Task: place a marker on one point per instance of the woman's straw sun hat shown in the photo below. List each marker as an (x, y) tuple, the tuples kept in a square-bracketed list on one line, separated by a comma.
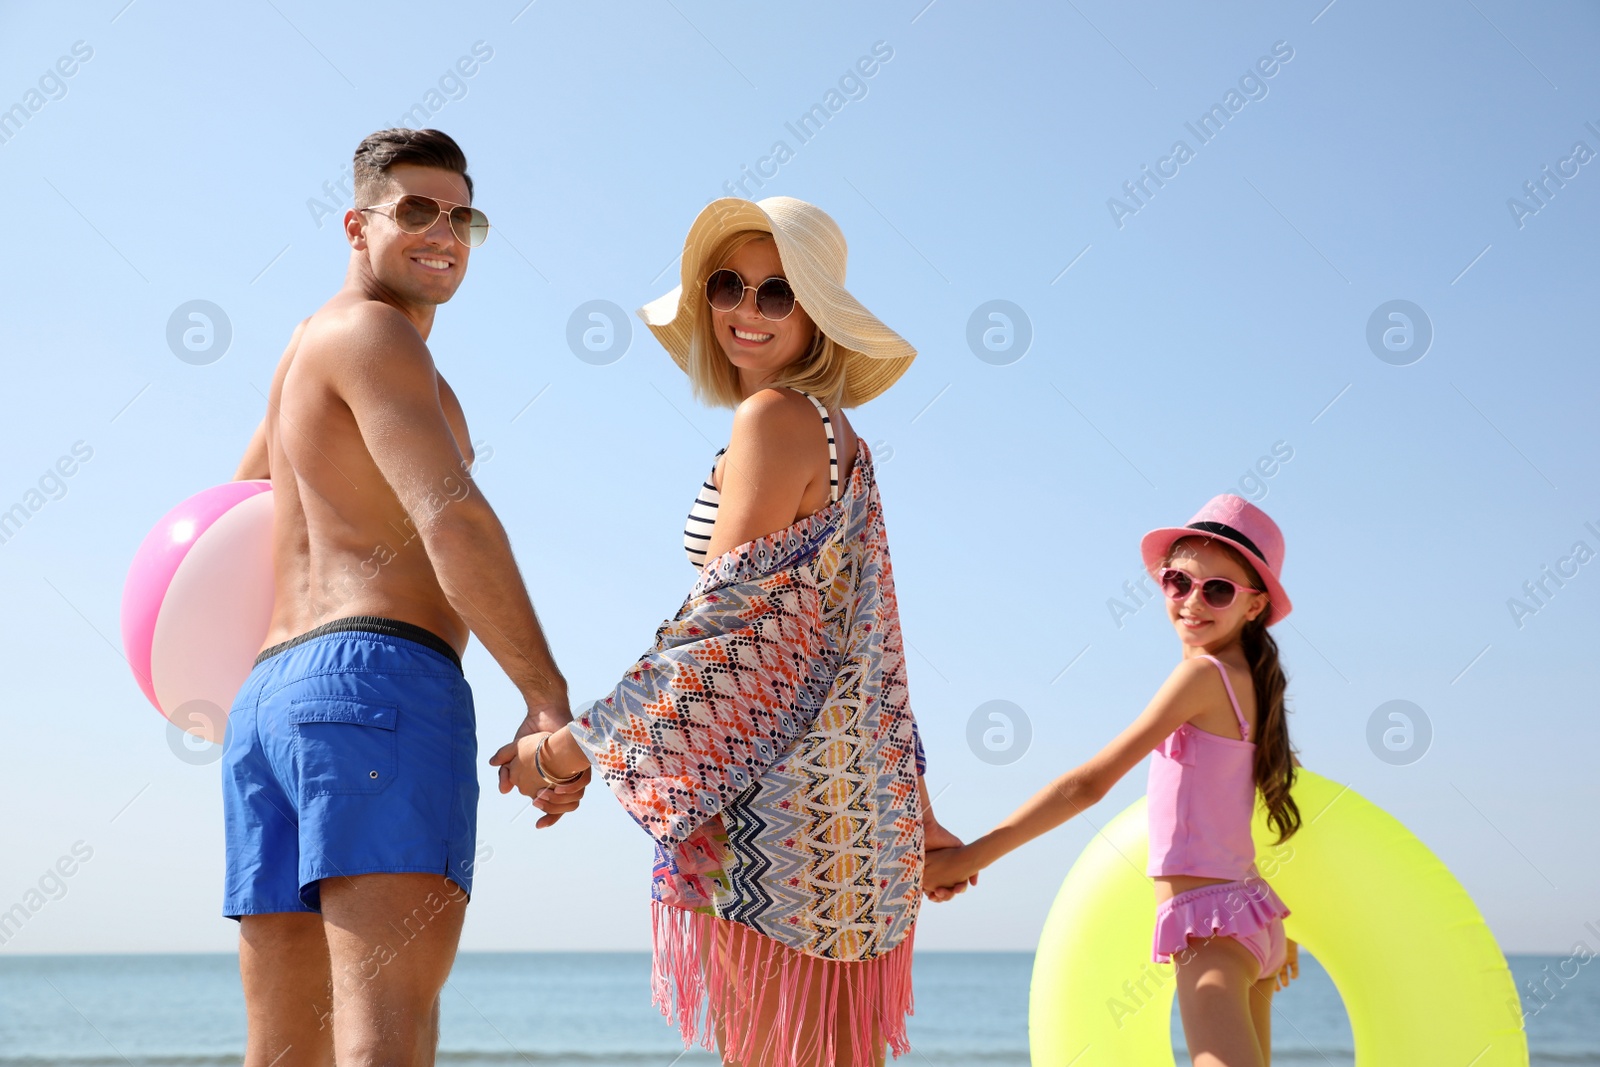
[(812, 250)]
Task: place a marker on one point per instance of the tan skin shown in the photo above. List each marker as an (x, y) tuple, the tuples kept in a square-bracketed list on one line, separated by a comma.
[(774, 473), (375, 514), (1226, 1009)]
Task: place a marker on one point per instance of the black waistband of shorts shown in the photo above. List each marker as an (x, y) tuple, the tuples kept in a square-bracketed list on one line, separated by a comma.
[(371, 624)]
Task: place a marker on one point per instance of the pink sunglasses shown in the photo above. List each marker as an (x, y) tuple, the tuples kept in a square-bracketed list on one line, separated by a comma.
[(1216, 592)]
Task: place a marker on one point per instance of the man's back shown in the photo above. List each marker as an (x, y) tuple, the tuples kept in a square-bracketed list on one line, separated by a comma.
[(350, 776), (343, 543)]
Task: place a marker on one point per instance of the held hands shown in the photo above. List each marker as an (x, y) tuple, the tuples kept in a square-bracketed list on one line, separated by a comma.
[(938, 882), (520, 769), (948, 869)]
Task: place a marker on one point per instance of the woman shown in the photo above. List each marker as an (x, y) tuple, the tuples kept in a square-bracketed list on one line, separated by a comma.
[(765, 740)]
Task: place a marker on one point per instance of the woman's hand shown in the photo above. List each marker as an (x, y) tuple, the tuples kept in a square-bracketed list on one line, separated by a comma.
[(517, 771), (936, 838), (515, 761), (949, 868)]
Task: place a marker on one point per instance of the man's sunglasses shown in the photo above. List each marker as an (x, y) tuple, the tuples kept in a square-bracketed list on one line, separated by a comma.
[(774, 297), (1216, 592), (417, 214)]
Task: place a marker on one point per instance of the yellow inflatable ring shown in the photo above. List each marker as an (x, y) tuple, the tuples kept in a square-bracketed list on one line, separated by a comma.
[(1422, 978)]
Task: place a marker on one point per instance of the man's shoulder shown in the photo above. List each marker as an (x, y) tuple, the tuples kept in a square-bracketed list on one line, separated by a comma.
[(352, 318), (345, 331)]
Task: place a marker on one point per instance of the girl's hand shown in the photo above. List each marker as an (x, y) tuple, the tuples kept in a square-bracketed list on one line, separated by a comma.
[(949, 870), (935, 838), (1291, 966)]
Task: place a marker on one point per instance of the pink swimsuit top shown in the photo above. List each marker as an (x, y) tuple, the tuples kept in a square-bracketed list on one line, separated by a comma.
[(1202, 796)]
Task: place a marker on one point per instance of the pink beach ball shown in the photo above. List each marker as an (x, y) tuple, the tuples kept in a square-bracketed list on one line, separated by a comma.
[(197, 604)]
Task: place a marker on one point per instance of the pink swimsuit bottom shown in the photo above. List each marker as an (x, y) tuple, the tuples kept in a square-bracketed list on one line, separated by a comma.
[(1248, 911)]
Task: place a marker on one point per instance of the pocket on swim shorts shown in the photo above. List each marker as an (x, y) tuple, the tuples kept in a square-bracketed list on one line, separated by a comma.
[(343, 746)]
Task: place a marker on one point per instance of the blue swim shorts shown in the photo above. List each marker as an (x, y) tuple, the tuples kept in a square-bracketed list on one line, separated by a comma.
[(351, 749)]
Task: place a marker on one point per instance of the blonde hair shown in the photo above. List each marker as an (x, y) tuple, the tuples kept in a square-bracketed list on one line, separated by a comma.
[(820, 371)]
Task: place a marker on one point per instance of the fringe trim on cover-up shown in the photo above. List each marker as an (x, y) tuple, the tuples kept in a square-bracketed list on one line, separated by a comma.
[(719, 980)]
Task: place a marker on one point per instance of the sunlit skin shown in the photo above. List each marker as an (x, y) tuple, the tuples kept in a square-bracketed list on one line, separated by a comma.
[(1194, 693), (368, 449), (773, 447), (1226, 1009), (774, 472), (400, 268), (776, 344), (1218, 972), (1204, 630)]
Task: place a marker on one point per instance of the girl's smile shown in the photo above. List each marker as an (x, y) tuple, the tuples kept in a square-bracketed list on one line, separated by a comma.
[(1200, 625)]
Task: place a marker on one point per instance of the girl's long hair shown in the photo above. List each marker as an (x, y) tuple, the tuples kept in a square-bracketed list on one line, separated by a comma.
[(1274, 759)]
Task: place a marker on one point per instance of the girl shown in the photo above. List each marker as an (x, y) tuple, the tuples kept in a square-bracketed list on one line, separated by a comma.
[(1219, 734), (766, 741)]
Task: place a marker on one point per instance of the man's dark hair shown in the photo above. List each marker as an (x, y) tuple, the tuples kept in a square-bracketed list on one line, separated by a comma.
[(382, 150)]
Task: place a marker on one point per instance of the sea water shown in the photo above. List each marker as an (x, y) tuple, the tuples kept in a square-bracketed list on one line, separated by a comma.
[(593, 1010)]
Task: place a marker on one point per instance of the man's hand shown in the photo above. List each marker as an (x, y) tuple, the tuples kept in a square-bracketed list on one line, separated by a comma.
[(544, 717)]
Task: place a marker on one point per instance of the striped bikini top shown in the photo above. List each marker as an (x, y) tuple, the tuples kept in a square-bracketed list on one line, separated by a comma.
[(697, 532)]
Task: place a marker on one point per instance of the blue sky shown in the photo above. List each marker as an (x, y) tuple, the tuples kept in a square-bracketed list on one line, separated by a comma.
[(1217, 322)]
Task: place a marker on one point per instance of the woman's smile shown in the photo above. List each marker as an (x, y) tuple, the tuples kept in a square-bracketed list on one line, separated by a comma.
[(749, 338), (758, 346)]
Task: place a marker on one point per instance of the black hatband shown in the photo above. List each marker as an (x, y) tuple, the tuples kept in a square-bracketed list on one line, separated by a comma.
[(1222, 529)]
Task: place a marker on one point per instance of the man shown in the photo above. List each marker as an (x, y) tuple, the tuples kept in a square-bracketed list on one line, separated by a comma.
[(349, 772)]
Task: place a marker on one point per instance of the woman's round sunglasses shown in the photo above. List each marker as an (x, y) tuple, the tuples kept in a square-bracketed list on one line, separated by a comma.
[(1216, 592), (725, 290), (417, 214)]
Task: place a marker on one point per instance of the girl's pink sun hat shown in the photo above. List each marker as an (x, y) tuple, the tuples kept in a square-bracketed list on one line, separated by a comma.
[(1234, 521)]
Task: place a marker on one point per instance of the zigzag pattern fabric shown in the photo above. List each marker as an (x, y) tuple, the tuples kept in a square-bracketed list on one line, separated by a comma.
[(767, 744)]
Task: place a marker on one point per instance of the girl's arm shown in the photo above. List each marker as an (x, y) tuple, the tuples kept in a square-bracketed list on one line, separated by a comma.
[(1180, 699)]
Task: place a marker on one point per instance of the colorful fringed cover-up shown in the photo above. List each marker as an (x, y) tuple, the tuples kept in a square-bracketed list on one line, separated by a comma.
[(767, 745)]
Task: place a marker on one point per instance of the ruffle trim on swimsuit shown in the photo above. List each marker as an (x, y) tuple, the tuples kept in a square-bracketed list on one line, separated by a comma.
[(718, 980), (1233, 909)]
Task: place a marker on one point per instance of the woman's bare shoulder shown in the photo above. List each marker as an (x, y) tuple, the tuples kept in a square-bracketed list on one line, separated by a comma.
[(777, 417)]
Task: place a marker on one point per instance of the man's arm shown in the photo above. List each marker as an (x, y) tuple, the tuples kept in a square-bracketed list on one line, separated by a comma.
[(386, 376), (254, 463)]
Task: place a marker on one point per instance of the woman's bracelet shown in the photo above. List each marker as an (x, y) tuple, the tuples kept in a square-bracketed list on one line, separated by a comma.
[(538, 765)]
